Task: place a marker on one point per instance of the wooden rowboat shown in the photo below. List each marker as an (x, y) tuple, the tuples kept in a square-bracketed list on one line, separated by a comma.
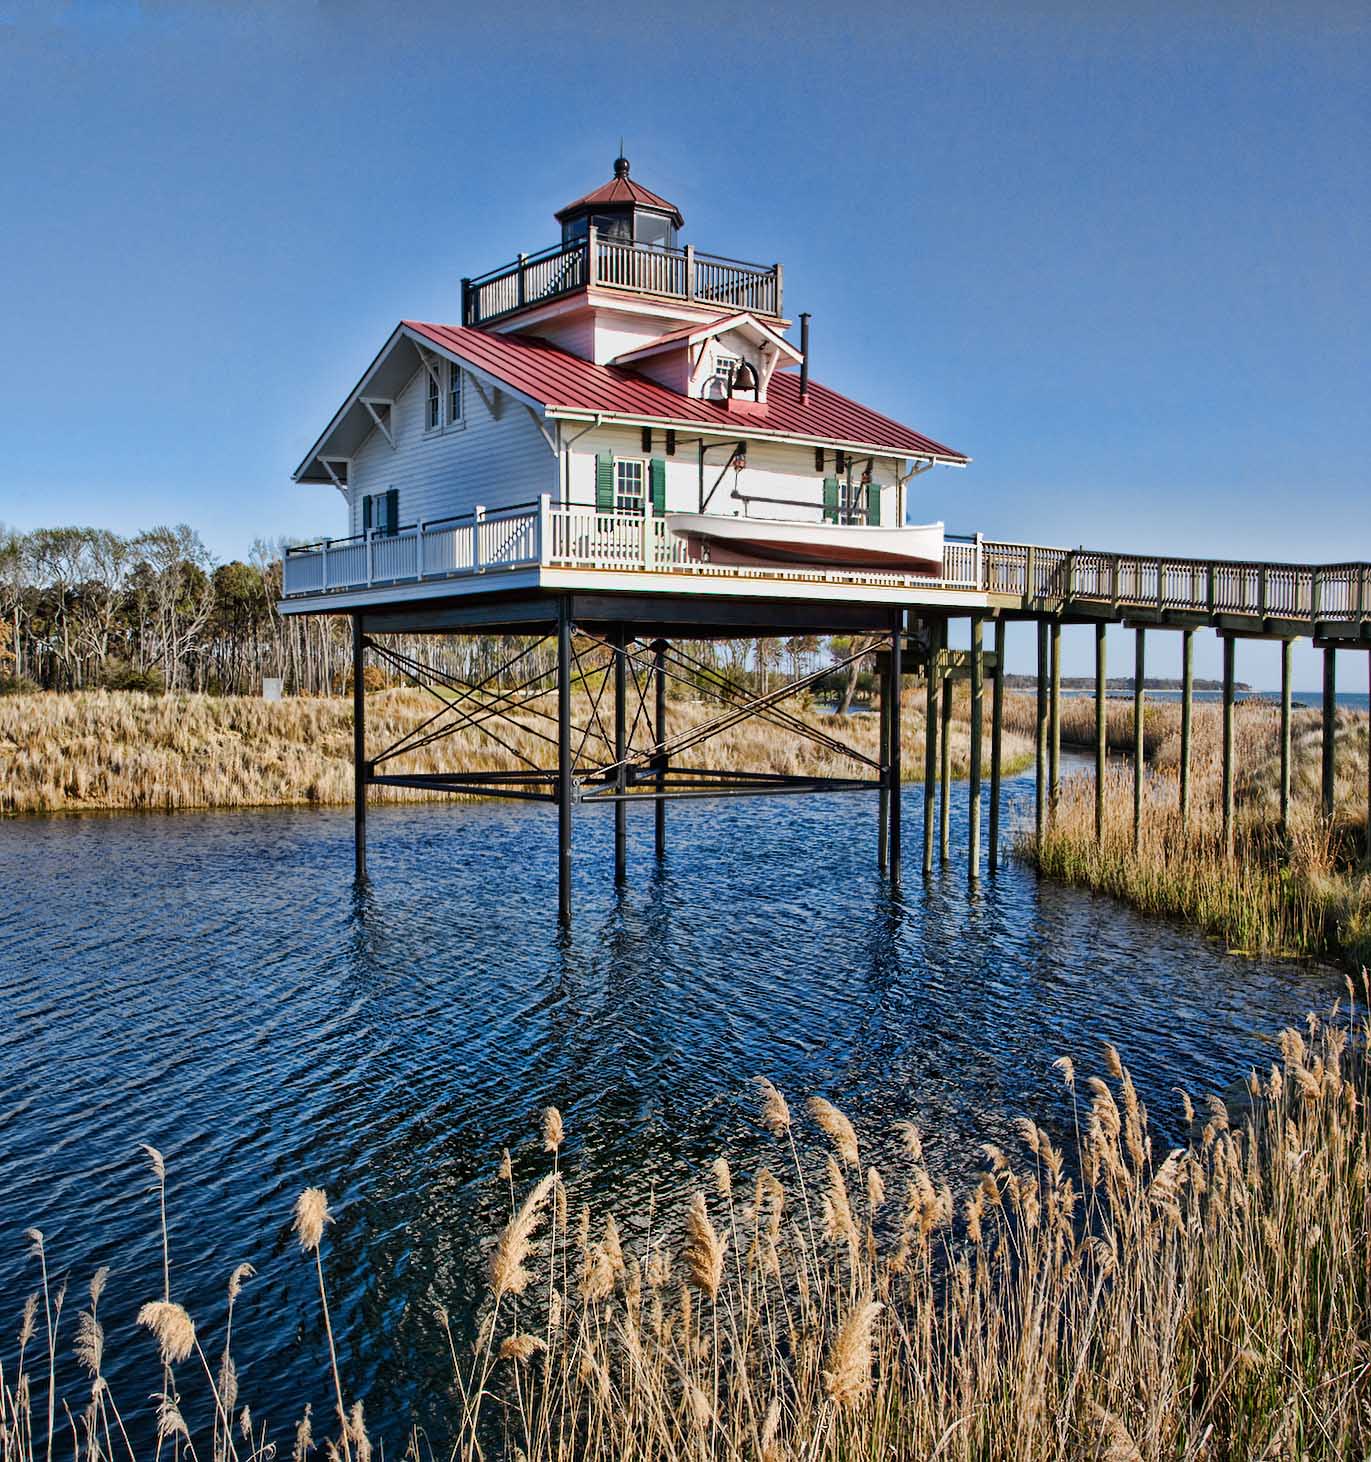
[(911, 550)]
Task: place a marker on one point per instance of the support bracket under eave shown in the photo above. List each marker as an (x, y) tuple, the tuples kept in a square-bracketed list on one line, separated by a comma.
[(327, 464), (382, 422)]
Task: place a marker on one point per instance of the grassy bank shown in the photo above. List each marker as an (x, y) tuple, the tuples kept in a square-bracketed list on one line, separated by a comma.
[(1306, 894), (124, 750), (1120, 1301)]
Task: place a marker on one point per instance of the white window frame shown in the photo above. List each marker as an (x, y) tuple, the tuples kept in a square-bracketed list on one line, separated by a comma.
[(726, 367), (456, 386), (623, 503), (433, 399)]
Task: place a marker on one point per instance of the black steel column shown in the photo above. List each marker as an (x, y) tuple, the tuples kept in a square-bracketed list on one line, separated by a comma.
[(659, 668), (620, 751), (1040, 805), (935, 634), (1101, 728), (996, 737), (883, 756), (1139, 726), (564, 762), (944, 767), (896, 670), (359, 751), (1054, 763), (977, 719), (1229, 651), (1187, 708), (1330, 728)]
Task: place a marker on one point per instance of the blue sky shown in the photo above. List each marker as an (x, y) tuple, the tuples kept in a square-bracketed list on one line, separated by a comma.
[(1118, 255)]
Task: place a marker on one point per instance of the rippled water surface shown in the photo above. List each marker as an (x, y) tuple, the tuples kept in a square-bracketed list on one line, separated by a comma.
[(210, 984)]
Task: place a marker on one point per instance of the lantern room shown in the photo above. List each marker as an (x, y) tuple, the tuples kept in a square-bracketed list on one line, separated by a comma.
[(623, 211)]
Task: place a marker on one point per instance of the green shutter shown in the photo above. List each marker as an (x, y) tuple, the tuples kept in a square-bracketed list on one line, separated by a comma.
[(604, 482), (393, 511), (366, 514), (658, 478), (830, 499), (873, 505)]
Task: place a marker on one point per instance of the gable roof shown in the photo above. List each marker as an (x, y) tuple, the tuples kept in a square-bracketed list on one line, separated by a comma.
[(693, 334), (563, 385)]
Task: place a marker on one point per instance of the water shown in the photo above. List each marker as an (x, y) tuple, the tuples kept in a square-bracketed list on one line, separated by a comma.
[(209, 984)]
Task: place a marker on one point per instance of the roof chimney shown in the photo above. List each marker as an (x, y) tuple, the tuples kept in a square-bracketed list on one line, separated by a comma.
[(804, 357)]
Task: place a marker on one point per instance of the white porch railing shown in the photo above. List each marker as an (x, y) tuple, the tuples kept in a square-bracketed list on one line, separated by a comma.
[(564, 536)]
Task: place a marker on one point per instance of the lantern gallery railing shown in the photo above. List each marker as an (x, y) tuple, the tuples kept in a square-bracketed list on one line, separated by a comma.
[(1009, 575), (621, 264)]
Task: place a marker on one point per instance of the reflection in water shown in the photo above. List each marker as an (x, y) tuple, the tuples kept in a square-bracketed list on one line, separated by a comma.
[(210, 984)]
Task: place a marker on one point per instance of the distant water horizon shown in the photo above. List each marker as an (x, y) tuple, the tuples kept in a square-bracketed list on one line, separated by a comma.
[(1349, 700)]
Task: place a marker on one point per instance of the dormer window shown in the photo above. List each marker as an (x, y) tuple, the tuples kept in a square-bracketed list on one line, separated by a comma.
[(725, 368)]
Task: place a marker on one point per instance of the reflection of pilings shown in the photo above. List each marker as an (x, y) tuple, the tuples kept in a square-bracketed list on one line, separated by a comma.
[(1287, 665), (564, 761), (1330, 727), (1101, 729), (996, 739), (1229, 650), (620, 751), (974, 790), (896, 671), (659, 670), (1187, 710), (359, 752), (935, 633), (1139, 674), (1054, 776), (1040, 803)]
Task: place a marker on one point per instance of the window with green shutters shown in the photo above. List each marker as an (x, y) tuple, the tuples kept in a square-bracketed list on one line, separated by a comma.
[(604, 482), (830, 499), (381, 511), (658, 473)]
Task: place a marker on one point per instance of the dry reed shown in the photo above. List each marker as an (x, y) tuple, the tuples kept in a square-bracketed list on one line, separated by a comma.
[(1210, 1300)]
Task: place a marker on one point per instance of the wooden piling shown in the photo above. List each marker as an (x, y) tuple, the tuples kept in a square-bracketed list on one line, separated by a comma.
[(896, 673), (935, 635), (1054, 779), (1229, 652), (620, 752), (564, 762), (996, 748), (1287, 667), (359, 752), (1187, 710), (1101, 729), (1040, 790), (973, 855), (659, 674), (1139, 675), (1330, 730)]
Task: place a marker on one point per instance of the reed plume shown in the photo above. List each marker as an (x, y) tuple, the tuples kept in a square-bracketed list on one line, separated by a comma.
[(704, 1249), (837, 1129)]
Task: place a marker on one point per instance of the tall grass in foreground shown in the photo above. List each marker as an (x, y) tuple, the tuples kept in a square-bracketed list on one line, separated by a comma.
[(1210, 1301), (127, 750), (1305, 893)]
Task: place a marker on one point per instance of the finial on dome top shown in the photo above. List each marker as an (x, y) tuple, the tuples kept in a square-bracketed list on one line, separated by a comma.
[(621, 162)]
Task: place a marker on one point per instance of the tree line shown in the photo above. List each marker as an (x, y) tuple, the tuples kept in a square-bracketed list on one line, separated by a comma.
[(87, 608)]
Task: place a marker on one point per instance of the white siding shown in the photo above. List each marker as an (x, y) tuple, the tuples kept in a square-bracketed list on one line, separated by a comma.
[(496, 458), (773, 470)]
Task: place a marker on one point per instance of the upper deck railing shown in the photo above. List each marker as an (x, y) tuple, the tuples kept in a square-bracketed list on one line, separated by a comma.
[(620, 264), (1025, 576)]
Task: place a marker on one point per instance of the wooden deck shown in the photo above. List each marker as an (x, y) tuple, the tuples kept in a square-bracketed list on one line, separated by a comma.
[(1328, 602)]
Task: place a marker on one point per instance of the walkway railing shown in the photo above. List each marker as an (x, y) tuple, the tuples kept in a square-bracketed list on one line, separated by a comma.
[(1313, 592), (570, 535), (621, 264)]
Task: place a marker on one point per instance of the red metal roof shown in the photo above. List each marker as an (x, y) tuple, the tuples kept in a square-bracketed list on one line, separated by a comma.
[(562, 381), (621, 189)]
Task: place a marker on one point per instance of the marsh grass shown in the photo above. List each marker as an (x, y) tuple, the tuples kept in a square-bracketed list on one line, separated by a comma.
[(1308, 893), (93, 750), (1113, 1298)]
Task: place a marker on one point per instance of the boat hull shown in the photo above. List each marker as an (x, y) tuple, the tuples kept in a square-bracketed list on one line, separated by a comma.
[(761, 541)]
